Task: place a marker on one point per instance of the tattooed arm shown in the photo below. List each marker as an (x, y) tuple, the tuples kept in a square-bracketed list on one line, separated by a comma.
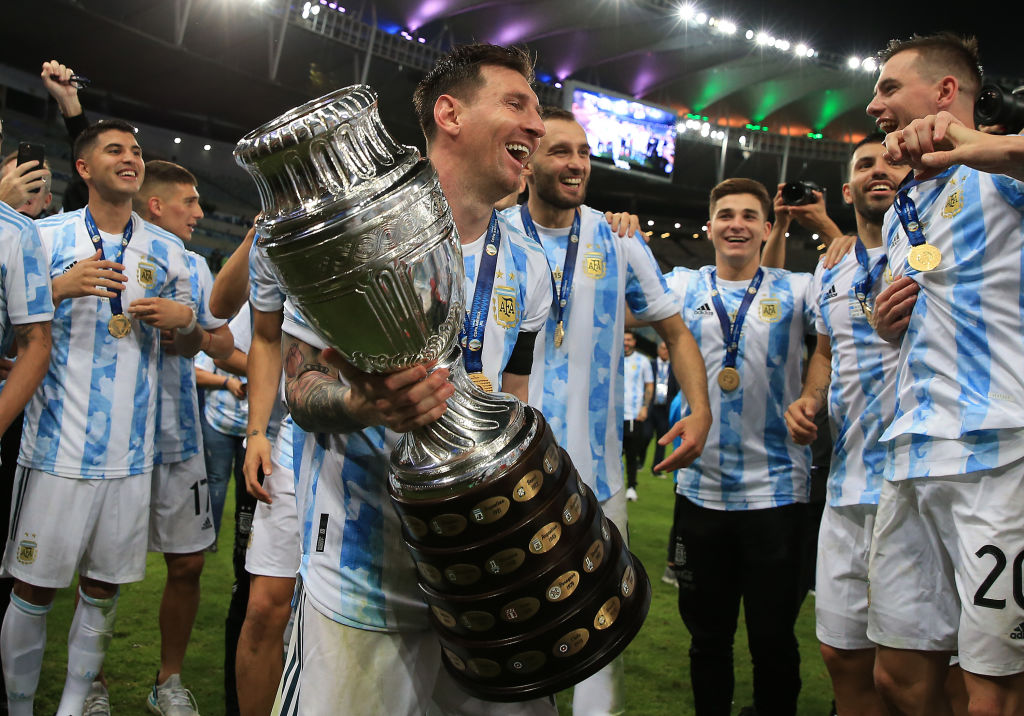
[(800, 414), (33, 340), (320, 402)]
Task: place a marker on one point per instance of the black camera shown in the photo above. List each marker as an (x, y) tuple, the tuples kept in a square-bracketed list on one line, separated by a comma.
[(997, 106), (796, 193)]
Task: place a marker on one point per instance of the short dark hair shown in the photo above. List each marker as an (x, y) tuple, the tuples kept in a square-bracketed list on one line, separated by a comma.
[(870, 138), (944, 53), (741, 186), (458, 74), (87, 139), (551, 112), (160, 172)]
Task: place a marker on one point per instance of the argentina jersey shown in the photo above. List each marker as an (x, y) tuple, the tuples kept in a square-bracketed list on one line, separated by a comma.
[(579, 385), (25, 295), (95, 413), (178, 430), (355, 569), (959, 388), (862, 392), (636, 372), (520, 297), (224, 412), (265, 292), (749, 460)]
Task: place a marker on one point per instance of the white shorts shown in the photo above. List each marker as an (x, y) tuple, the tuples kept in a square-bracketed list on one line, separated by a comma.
[(614, 509), (841, 581), (275, 545), (62, 525), (373, 672), (947, 568), (180, 520)]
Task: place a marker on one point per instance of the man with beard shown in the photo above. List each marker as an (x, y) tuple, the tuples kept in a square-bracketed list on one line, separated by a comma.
[(577, 379), (948, 548), (852, 370)]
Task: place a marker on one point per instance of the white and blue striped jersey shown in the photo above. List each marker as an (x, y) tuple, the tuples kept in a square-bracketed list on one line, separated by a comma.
[(862, 393), (516, 305), (579, 386), (355, 567), (25, 295), (749, 461), (95, 414), (959, 388), (224, 412), (179, 433), (265, 293), (636, 373)]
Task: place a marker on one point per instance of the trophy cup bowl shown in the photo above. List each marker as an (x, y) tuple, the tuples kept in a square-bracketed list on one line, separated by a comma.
[(530, 587)]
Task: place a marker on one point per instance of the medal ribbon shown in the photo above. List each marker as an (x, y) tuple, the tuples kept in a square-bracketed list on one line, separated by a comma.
[(731, 330), (569, 267), (472, 338), (862, 289), (906, 209), (97, 242)]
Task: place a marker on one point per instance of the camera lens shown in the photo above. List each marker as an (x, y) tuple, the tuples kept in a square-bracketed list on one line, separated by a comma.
[(796, 193), (995, 106)]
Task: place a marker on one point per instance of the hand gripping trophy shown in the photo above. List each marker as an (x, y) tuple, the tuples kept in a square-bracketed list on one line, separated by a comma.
[(530, 586)]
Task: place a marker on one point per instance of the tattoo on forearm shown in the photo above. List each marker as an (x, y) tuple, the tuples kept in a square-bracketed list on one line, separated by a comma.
[(822, 391), (316, 397)]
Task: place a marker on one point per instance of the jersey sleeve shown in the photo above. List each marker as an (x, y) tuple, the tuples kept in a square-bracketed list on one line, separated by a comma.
[(815, 298), (27, 290), (803, 289), (178, 286), (647, 294), (265, 292), (204, 286), (295, 325), (648, 374)]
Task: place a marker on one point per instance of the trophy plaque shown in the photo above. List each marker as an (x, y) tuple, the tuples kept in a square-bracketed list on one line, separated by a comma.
[(530, 587)]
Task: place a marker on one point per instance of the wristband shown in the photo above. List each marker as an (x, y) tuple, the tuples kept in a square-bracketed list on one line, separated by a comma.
[(191, 324)]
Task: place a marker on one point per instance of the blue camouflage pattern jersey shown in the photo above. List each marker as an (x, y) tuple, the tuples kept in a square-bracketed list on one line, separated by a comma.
[(959, 385), (749, 461), (636, 373), (25, 295), (94, 415), (579, 386), (862, 392)]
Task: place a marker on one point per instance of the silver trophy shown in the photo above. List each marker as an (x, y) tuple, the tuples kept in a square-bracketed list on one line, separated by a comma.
[(530, 587)]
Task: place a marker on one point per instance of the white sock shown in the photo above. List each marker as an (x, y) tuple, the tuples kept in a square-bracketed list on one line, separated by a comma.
[(90, 635), (22, 642)]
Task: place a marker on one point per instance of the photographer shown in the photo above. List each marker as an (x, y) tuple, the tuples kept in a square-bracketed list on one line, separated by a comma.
[(810, 214)]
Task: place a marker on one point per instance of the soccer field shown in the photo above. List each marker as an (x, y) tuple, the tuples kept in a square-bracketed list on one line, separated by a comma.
[(657, 666)]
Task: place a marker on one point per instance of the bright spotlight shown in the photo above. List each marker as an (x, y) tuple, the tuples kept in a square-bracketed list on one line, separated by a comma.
[(315, 10), (869, 64), (650, 222), (801, 49), (177, 140), (207, 147), (763, 38), (702, 17), (782, 45), (727, 28), (853, 63), (687, 11), (811, 52), (678, 225), (749, 34)]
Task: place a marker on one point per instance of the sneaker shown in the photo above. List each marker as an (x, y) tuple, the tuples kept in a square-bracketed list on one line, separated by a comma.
[(669, 577), (97, 701), (631, 494), (172, 699)]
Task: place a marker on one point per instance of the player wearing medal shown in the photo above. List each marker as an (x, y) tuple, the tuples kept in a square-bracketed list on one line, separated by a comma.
[(737, 514), (362, 631), (578, 372), (853, 371), (949, 521), (82, 493)]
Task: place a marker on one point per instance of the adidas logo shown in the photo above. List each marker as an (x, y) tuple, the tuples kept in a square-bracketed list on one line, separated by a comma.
[(831, 292), (207, 524), (1018, 633), (704, 310)]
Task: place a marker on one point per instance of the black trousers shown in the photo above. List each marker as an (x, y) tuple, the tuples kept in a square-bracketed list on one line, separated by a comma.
[(634, 446), (721, 559), (245, 506), (10, 444), (659, 422)]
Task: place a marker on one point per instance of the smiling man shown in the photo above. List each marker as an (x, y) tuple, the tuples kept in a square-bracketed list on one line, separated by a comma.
[(737, 515)]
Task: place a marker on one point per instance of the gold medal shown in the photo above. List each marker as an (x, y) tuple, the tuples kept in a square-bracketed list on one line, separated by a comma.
[(559, 335), (480, 381), (119, 326), (924, 257), (869, 313), (729, 379)]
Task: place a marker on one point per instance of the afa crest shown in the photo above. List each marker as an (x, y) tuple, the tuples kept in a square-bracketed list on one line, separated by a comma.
[(768, 310), (954, 204), (593, 264), (146, 274), (506, 306), (27, 551)]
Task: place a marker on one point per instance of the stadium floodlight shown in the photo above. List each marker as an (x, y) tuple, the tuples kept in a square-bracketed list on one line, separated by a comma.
[(749, 35), (687, 11), (727, 27), (207, 147), (853, 63), (177, 140), (763, 38)]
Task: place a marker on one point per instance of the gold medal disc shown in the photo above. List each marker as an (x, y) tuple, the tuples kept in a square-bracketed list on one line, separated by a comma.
[(481, 382), (869, 313), (559, 335), (729, 379), (119, 326), (924, 257)]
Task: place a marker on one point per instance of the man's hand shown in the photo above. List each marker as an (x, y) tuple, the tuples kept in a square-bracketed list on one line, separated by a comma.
[(402, 401), (236, 387), (5, 368), (623, 223), (21, 181), (812, 217), (800, 420), (57, 81), (641, 415), (90, 277), (257, 455), (840, 246), (692, 432), (893, 308), (938, 141), (162, 313)]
